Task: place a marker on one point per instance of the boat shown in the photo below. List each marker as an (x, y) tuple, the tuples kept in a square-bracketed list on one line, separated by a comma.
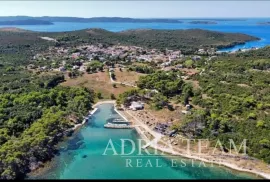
[(118, 126), (118, 120)]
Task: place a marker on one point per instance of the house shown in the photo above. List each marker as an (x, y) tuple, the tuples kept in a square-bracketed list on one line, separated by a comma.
[(186, 112), (166, 64), (62, 69), (75, 67), (83, 68), (179, 66), (136, 106), (188, 107), (172, 133), (196, 58), (31, 66), (43, 68)]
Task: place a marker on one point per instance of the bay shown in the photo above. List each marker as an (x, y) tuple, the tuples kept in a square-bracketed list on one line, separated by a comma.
[(82, 157)]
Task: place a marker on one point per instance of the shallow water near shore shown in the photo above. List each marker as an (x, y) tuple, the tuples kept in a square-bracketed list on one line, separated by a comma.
[(82, 157)]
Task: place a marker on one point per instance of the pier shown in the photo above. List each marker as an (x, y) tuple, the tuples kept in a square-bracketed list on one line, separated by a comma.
[(118, 126), (120, 121)]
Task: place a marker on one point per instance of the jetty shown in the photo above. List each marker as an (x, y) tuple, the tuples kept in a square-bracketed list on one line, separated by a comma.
[(118, 126), (93, 111), (118, 120)]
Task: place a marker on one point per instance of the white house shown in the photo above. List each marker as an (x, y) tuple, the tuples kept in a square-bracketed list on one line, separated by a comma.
[(136, 106), (196, 58), (75, 67)]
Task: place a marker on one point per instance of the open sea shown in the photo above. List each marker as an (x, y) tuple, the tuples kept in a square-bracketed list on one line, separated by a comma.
[(82, 157), (246, 26)]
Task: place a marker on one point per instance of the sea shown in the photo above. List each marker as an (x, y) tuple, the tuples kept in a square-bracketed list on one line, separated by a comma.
[(247, 26), (88, 154)]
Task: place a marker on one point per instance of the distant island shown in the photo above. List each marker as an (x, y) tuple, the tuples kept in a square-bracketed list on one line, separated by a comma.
[(26, 22), (215, 19), (49, 19), (203, 22), (263, 23)]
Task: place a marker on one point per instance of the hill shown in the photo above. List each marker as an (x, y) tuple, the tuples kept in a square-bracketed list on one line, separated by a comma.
[(20, 45), (26, 22), (188, 41)]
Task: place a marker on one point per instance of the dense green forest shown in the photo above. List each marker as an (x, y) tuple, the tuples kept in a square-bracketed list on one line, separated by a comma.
[(19, 46), (35, 113), (235, 96), (188, 41)]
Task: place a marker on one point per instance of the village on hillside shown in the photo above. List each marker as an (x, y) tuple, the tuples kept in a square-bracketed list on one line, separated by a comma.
[(85, 66), (78, 58)]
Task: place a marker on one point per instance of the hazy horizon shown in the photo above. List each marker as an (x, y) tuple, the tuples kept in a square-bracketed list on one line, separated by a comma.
[(138, 9), (142, 17)]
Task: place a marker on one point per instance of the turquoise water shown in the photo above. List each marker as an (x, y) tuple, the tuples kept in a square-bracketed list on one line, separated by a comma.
[(82, 157), (248, 26)]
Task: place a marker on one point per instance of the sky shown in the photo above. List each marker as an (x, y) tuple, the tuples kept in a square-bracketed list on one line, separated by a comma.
[(137, 9)]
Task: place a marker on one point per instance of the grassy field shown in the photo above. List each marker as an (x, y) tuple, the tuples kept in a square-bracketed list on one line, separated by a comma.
[(127, 76), (100, 82), (165, 115)]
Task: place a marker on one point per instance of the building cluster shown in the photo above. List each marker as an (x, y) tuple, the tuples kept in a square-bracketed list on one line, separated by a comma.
[(87, 53), (126, 53)]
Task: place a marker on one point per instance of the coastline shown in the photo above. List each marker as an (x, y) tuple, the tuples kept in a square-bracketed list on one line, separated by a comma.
[(84, 121), (191, 156), (160, 148)]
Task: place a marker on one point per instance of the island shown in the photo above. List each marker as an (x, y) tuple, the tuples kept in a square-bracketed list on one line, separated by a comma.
[(216, 19), (263, 23), (47, 19), (26, 22), (203, 22)]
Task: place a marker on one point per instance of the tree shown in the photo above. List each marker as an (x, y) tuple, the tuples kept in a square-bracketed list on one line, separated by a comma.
[(113, 97), (113, 76), (99, 95), (70, 74), (159, 101)]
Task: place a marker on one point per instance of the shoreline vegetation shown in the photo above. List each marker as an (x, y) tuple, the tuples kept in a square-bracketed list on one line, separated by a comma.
[(175, 152)]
